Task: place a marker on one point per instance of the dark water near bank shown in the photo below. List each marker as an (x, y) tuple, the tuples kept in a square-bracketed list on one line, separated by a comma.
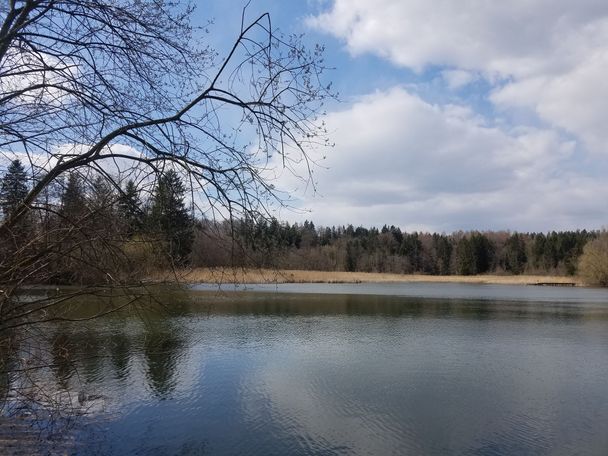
[(438, 369)]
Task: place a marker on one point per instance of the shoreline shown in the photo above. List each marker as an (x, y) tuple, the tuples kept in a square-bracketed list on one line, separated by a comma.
[(273, 276)]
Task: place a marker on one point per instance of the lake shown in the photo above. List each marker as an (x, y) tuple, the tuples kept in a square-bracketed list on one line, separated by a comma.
[(368, 369)]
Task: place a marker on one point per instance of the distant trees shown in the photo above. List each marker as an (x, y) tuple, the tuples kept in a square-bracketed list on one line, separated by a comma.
[(411, 248), (90, 222), (558, 250), (270, 243), (353, 248), (130, 229), (465, 261), (442, 248), (514, 255), (475, 254)]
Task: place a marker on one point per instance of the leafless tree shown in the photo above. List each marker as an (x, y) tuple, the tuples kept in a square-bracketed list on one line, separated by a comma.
[(118, 88)]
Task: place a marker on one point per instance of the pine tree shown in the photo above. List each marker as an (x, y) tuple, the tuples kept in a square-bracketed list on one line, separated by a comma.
[(13, 187), (170, 217)]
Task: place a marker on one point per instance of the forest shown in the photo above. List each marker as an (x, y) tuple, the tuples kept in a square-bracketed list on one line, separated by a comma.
[(134, 231), (270, 243)]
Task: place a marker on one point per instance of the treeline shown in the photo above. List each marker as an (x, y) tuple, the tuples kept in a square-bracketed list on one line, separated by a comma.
[(271, 243), (88, 228)]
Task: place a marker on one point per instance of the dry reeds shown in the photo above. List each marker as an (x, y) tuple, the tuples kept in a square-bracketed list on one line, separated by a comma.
[(243, 275)]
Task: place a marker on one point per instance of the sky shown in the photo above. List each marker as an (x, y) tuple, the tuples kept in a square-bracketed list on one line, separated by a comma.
[(452, 115)]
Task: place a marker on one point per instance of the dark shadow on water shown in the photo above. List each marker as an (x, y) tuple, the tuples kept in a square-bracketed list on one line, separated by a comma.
[(289, 304)]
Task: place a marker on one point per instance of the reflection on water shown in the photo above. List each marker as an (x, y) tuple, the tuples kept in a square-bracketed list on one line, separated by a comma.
[(120, 352), (287, 373), (161, 350), (463, 291)]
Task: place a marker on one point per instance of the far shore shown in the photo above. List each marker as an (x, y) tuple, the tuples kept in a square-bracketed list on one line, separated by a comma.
[(239, 275)]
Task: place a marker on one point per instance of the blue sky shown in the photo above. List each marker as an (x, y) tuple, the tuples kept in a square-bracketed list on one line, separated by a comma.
[(453, 115)]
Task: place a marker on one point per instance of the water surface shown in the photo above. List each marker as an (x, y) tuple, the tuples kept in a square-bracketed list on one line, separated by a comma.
[(438, 369)]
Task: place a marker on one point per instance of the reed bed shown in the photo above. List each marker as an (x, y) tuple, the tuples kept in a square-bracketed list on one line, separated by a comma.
[(242, 275)]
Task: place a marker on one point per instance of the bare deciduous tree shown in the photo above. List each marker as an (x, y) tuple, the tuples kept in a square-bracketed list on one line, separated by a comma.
[(123, 85), (123, 89)]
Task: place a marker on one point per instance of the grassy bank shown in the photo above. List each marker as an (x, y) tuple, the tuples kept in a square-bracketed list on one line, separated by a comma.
[(237, 275)]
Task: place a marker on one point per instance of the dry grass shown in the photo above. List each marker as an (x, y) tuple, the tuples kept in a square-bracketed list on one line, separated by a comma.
[(237, 275)]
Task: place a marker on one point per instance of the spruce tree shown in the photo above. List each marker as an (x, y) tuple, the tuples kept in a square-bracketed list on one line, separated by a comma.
[(465, 258), (514, 254), (73, 203), (13, 187), (102, 196), (443, 253), (483, 251), (170, 217), (100, 200), (129, 209)]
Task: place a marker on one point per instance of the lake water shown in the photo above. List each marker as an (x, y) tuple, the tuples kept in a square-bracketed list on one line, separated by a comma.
[(370, 369)]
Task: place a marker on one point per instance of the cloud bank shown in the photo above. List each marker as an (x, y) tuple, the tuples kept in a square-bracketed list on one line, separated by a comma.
[(535, 161)]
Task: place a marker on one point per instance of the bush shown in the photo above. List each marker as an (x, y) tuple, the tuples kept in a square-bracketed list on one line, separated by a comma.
[(142, 256), (593, 263)]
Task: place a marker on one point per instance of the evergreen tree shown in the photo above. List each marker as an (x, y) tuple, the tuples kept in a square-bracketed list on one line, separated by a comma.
[(514, 254), (170, 217), (73, 203), (538, 250), (352, 254), (443, 253), (483, 252), (326, 236), (101, 202), (13, 187), (13, 190), (129, 208), (411, 247), (465, 258), (102, 196)]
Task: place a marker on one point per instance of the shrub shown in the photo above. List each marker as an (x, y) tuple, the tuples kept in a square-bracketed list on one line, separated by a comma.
[(593, 263)]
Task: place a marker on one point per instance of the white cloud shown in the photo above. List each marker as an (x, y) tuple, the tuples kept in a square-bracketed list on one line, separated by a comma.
[(546, 56), (455, 79), (515, 38), (121, 168), (36, 78), (574, 101), (400, 160), (537, 162)]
